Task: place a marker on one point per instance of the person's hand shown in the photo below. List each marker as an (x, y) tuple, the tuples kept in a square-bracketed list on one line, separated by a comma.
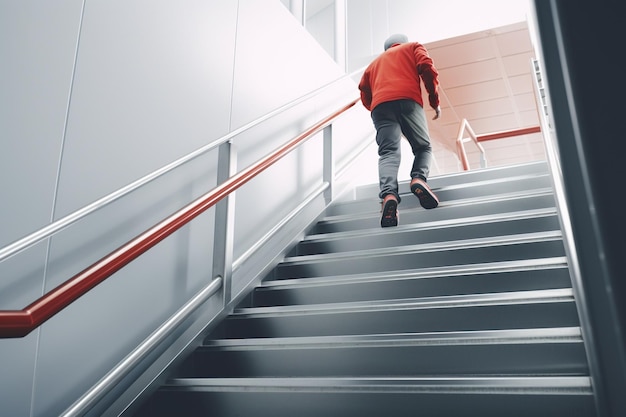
[(437, 113)]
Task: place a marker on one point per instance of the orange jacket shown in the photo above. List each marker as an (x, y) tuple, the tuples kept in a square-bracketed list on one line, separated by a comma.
[(396, 73)]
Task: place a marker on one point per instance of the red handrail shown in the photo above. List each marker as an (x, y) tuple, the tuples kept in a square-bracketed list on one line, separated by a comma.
[(460, 148), (19, 323), (508, 133)]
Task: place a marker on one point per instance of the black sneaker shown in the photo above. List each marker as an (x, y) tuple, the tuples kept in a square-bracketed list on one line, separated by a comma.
[(389, 216), (427, 198)]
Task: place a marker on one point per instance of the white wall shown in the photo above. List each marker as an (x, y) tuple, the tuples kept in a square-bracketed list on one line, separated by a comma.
[(97, 94)]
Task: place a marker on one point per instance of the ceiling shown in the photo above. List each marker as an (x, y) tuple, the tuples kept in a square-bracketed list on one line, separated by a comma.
[(486, 77)]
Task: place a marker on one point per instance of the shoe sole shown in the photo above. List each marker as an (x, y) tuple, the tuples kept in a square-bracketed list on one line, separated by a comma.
[(427, 198), (390, 214)]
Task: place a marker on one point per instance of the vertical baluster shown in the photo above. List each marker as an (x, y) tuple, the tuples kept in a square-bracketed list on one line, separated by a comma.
[(225, 221), (329, 163)]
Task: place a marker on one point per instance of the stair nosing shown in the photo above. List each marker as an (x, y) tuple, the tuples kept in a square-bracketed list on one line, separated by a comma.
[(420, 273), (436, 224), (529, 385), (441, 338), (540, 192), (497, 180), (542, 164), (448, 301), (519, 238)]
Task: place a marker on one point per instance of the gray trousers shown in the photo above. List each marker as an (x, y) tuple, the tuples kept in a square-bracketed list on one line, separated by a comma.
[(393, 120)]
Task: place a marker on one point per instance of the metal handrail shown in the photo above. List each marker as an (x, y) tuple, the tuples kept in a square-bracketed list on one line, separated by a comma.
[(485, 137), (461, 147), (58, 225), (19, 323), (508, 133), (140, 352)]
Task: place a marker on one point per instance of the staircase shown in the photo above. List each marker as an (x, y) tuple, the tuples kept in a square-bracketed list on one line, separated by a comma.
[(465, 310)]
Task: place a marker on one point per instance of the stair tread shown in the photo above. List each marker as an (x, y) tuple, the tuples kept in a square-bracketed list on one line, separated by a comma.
[(482, 242), (431, 272), (538, 335), (448, 301), (468, 178), (435, 224), (482, 200)]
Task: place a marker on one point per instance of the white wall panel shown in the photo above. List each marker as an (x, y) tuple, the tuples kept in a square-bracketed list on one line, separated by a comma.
[(360, 34), (37, 46), (152, 84), (277, 61), (322, 26), (20, 284)]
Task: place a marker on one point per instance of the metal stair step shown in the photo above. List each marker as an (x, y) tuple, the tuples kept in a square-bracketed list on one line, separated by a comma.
[(471, 251), (515, 310), (451, 190), (510, 172), (485, 188), (557, 351), (424, 282), (365, 214), (427, 232), (374, 397)]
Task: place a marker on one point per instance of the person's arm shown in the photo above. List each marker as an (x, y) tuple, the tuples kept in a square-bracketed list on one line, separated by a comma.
[(366, 92), (427, 71)]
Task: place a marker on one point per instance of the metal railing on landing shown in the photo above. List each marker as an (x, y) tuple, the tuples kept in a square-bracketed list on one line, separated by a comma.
[(476, 139), (19, 323)]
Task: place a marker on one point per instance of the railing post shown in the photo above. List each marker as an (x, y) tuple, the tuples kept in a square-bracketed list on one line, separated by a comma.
[(225, 221), (329, 163), (460, 149)]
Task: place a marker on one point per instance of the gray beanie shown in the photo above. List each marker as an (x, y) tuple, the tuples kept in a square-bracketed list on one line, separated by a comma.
[(396, 38)]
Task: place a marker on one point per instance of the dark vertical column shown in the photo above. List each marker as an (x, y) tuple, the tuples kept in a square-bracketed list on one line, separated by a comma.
[(582, 45)]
